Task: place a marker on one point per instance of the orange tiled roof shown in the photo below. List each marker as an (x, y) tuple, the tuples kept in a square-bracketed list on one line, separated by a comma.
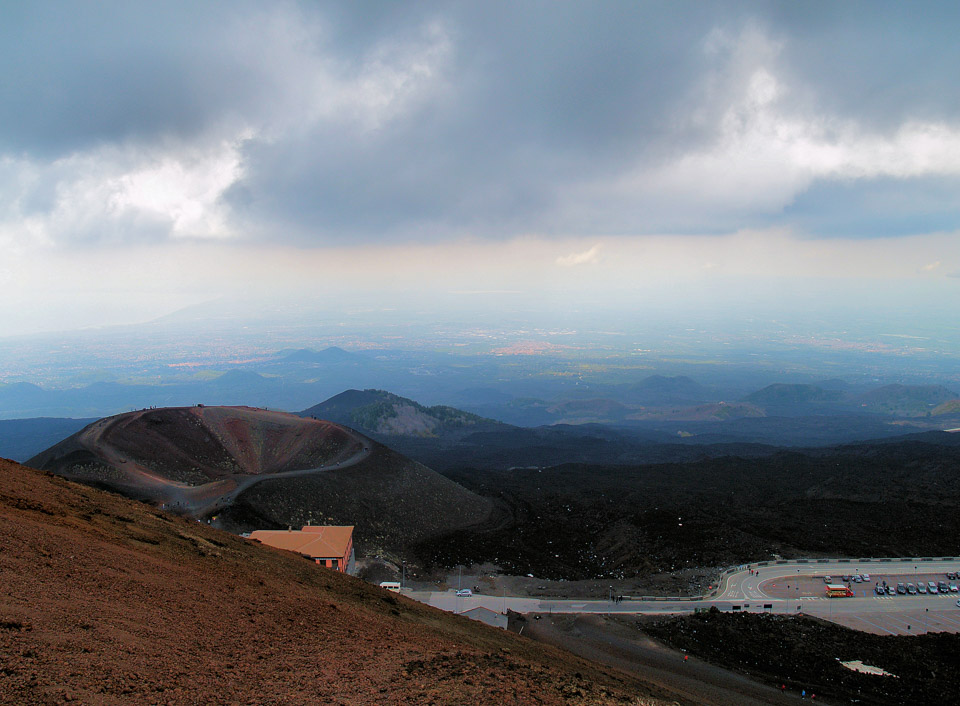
[(313, 541)]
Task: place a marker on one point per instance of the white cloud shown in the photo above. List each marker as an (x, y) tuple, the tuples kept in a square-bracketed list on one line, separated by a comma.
[(764, 157), (587, 257), (160, 187), (766, 150), (122, 194), (184, 192)]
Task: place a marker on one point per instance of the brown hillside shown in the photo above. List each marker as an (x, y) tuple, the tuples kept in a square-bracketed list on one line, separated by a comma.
[(257, 469), (106, 600)]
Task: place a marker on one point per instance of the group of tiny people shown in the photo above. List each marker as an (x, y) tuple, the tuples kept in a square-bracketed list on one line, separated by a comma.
[(803, 692)]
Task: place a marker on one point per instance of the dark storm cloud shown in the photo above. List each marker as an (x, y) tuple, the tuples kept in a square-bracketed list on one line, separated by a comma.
[(371, 120), (534, 97)]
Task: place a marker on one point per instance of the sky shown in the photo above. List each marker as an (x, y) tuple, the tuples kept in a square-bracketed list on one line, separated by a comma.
[(653, 156)]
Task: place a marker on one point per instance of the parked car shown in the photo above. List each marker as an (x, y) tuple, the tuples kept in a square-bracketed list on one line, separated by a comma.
[(857, 578), (951, 575), (891, 591), (921, 588), (901, 588), (878, 590), (464, 592), (943, 587), (865, 577), (845, 579), (828, 579), (931, 587), (958, 603), (911, 589), (954, 588)]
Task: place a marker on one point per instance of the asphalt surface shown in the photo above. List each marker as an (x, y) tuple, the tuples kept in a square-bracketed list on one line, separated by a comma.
[(780, 587)]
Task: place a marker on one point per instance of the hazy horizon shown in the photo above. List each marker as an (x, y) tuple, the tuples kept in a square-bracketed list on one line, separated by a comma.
[(680, 164)]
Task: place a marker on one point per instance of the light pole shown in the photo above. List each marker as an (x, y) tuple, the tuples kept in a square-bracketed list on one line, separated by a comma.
[(459, 580)]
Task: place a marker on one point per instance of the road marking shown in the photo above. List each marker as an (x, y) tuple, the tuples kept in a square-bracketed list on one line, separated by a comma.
[(895, 618), (949, 619), (870, 622)]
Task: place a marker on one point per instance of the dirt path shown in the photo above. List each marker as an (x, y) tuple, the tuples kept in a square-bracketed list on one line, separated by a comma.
[(619, 645)]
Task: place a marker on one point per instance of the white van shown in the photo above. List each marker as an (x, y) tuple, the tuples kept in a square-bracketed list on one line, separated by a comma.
[(391, 586)]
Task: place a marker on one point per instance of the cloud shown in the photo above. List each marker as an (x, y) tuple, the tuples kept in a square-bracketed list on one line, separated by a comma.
[(930, 267), (115, 195), (324, 124), (587, 257), (766, 151)]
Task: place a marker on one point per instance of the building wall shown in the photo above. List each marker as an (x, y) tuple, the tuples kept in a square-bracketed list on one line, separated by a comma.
[(340, 563)]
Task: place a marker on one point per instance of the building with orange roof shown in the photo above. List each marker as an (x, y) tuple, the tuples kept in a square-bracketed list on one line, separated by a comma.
[(330, 546)]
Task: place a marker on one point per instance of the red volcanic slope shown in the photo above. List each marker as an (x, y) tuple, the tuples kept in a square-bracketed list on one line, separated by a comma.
[(106, 600)]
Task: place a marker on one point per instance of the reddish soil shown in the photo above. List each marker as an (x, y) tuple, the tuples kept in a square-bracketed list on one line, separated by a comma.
[(109, 601)]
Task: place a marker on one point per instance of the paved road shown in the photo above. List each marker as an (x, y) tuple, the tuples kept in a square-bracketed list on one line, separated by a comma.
[(758, 588)]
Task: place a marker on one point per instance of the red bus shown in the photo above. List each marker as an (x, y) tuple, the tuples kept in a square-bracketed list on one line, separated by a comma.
[(838, 590)]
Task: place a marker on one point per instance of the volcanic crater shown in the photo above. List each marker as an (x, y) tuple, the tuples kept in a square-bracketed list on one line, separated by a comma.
[(246, 468)]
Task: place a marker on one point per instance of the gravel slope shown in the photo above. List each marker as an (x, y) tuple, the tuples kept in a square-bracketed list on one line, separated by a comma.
[(109, 601)]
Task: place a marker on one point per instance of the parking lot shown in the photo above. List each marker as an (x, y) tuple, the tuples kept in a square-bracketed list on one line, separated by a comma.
[(815, 586), (913, 622), (897, 614)]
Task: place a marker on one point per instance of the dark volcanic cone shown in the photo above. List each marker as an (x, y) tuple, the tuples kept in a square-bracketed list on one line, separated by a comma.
[(252, 468)]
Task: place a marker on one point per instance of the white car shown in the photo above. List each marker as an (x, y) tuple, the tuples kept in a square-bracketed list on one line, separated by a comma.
[(463, 592), (958, 603)]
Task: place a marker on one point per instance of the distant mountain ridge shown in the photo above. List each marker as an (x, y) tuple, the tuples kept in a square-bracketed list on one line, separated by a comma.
[(786, 394), (907, 400), (893, 400), (384, 413)]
